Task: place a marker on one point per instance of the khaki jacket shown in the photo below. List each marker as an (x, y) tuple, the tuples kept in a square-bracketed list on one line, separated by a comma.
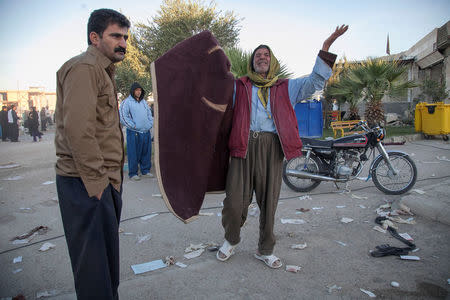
[(88, 139)]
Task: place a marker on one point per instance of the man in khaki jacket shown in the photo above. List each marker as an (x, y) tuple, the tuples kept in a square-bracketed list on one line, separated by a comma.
[(89, 146)]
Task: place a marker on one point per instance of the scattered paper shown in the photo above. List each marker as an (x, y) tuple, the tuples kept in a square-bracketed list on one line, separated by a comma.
[(156, 195), (17, 270), (14, 178), (148, 266), (317, 208), (181, 265), (143, 238), (195, 247), (206, 214), (121, 230), (333, 287), (362, 206), (47, 246), (306, 197), (403, 221), (148, 217), (292, 268), (359, 197), (44, 294), (219, 214), (395, 284), (17, 259), (346, 220), (20, 242), (442, 158), (27, 237), (48, 182), (341, 243), (406, 236), (387, 223), (379, 229), (340, 206), (128, 233), (194, 254), (299, 246), (9, 166), (369, 293), (293, 221), (415, 250), (418, 191), (254, 212), (409, 257)]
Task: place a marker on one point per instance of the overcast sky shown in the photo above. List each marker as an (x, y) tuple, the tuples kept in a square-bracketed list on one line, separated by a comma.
[(37, 37)]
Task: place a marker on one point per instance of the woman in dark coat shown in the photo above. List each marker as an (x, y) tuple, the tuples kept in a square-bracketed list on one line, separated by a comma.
[(33, 123)]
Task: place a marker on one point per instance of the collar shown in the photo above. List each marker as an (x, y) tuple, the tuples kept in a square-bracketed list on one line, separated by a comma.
[(103, 61)]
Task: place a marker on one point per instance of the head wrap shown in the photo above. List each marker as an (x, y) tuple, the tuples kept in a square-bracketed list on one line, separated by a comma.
[(263, 83)]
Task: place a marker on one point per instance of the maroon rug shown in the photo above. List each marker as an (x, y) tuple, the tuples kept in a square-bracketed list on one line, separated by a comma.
[(193, 88)]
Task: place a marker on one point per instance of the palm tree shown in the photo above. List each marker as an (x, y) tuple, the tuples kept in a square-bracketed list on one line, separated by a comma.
[(341, 89), (239, 59), (371, 81)]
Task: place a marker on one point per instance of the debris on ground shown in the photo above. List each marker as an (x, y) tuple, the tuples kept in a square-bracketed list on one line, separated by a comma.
[(194, 254), (317, 208), (121, 230), (45, 294), (26, 237), (148, 266), (181, 265), (219, 214), (341, 243), (206, 214), (156, 195), (17, 271), (303, 210), (148, 217), (406, 236), (306, 197), (9, 165), (143, 238), (442, 158), (369, 293), (379, 229), (169, 260), (359, 197), (253, 211), (415, 250), (362, 206), (389, 209), (340, 206), (395, 284), (292, 268), (402, 221), (386, 223), (299, 246), (409, 257), (194, 247), (47, 246), (17, 259), (293, 221), (14, 178), (333, 287), (346, 220), (213, 248), (48, 182), (25, 209), (418, 191)]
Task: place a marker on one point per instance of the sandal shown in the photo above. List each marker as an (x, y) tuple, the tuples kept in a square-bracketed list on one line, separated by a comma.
[(227, 250), (269, 260)]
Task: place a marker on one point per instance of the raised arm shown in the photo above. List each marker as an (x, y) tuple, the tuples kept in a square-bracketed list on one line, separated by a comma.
[(340, 30)]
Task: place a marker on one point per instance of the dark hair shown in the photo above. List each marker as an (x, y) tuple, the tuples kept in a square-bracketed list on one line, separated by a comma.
[(253, 55), (100, 19)]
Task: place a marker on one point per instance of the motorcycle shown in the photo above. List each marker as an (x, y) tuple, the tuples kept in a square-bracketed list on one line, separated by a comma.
[(343, 159)]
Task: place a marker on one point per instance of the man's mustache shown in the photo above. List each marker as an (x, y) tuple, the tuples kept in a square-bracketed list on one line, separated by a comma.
[(120, 49)]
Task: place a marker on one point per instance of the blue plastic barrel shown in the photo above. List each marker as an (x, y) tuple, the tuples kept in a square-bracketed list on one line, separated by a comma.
[(309, 119)]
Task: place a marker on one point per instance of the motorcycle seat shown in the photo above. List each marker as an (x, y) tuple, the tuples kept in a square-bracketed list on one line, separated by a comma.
[(317, 143)]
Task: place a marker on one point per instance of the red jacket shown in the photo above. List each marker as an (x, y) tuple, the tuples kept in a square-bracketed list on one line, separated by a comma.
[(282, 112)]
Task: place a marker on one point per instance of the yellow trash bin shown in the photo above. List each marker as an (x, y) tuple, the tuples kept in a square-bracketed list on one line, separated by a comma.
[(433, 118)]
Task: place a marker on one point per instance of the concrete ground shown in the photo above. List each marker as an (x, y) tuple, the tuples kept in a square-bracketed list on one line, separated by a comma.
[(337, 254)]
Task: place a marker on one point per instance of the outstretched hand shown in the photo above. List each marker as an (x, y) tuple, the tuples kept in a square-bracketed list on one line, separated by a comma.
[(340, 30)]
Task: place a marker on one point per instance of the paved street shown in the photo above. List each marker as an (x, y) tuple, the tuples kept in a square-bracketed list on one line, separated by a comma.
[(336, 253)]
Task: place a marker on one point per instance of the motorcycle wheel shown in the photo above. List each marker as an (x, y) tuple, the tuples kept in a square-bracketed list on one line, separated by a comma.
[(392, 184), (298, 163)]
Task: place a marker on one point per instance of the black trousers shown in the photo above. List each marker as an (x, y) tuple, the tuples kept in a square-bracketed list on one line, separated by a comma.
[(92, 234), (4, 131), (13, 132)]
